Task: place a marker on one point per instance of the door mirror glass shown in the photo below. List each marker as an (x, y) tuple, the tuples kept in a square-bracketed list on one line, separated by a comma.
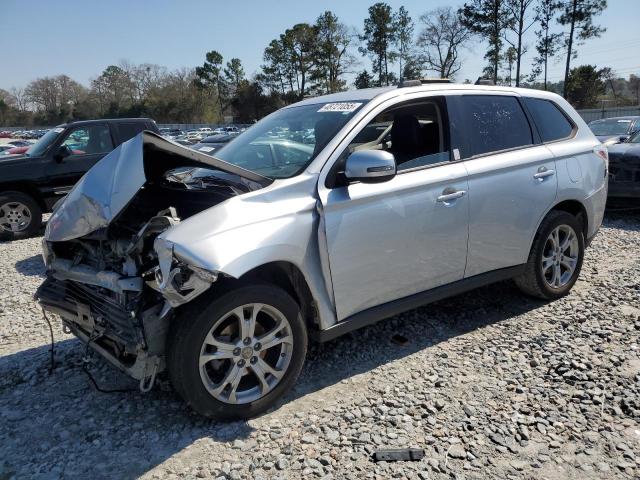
[(370, 166)]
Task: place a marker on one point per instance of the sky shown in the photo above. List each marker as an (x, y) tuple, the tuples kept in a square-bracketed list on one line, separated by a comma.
[(80, 38)]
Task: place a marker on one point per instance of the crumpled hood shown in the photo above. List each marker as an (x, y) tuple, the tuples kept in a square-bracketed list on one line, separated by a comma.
[(107, 188)]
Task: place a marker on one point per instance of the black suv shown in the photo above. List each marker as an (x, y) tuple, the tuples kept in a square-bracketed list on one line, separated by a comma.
[(32, 183)]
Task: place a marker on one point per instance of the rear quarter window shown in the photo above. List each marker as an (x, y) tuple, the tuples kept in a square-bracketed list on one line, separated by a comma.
[(551, 123), (493, 123)]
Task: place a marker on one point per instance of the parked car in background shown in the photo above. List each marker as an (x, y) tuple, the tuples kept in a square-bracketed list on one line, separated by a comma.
[(624, 168), (212, 143), (172, 133), (5, 147), (32, 183), (240, 258), (20, 143), (194, 135), (615, 130), (16, 150), (5, 134)]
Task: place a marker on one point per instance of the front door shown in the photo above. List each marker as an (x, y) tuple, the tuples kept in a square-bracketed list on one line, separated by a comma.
[(86, 145), (390, 240)]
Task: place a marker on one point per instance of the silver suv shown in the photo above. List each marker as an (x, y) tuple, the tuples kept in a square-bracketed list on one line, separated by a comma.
[(326, 216)]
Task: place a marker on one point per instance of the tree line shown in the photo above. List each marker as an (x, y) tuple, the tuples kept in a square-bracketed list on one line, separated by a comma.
[(320, 57)]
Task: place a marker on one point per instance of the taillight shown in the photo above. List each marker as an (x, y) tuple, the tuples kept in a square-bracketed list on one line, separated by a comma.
[(603, 153)]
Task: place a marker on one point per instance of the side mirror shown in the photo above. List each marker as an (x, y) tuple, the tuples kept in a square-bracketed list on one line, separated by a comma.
[(370, 166), (62, 153)]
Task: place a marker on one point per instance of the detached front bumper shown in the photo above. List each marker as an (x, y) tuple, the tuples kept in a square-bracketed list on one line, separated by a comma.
[(133, 342)]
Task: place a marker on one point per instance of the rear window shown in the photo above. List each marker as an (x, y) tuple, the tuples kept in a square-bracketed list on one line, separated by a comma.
[(550, 121), (493, 123)]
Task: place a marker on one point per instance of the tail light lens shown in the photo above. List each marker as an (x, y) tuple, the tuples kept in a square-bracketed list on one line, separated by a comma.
[(602, 152)]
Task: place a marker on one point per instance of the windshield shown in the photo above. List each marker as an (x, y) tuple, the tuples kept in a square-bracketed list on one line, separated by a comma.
[(45, 141), (283, 144), (611, 127)]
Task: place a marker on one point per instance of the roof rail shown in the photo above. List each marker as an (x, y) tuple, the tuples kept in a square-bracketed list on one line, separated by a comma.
[(422, 81), (484, 81)]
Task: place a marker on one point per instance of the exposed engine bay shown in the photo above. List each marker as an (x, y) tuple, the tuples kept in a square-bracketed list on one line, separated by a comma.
[(109, 277)]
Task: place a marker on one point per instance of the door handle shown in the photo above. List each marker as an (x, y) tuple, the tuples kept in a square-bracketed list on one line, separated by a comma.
[(451, 196), (542, 174)]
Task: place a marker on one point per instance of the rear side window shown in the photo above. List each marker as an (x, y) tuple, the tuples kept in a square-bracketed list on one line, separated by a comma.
[(493, 123), (129, 130), (550, 121)]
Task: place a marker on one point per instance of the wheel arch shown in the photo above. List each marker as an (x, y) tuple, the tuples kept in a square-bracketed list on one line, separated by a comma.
[(287, 276), (26, 188), (575, 208), (572, 206)]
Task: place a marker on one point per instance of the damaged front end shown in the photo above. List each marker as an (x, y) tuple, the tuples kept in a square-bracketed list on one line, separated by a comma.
[(112, 281)]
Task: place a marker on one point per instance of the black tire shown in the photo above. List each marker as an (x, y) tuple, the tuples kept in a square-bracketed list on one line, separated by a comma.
[(532, 281), (189, 330), (35, 212)]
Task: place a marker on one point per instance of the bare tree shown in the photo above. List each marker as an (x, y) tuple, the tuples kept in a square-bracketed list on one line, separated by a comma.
[(19, 98), (548, 43), (578, 15), (441, 38), (519, 24)]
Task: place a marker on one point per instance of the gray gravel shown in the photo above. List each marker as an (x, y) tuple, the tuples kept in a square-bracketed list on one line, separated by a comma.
[(491, 384)]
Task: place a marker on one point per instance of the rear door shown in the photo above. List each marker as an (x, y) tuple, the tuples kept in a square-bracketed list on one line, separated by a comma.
[(128, 130), (512, 179)]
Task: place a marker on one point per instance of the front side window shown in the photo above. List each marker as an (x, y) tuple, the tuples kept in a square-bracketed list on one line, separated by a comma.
[(89, 140), (550, 121), (492, 123), (283, 144), (413, 131)]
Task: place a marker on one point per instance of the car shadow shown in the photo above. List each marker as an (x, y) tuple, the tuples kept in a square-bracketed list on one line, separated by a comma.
[(32, 266), (162, 420)]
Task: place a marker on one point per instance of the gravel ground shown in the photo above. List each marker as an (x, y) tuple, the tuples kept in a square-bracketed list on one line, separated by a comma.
[(491, 384)]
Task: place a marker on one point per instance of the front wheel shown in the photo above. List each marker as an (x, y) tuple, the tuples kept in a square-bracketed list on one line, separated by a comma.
[(234, 356), (555, 259)]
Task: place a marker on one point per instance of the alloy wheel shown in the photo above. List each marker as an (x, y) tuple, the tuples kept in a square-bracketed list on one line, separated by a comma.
[(246, 353), (14, 217), (560, 256)]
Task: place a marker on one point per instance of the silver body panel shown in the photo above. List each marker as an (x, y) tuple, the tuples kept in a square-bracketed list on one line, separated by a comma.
[(367, 244), (506, 202), (390, 240)]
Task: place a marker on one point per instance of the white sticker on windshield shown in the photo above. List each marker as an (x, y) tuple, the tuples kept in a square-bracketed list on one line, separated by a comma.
[(344, 107), (624, 121), (206, 149), (58, 130)]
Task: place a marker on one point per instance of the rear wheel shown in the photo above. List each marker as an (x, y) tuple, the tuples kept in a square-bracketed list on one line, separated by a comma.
[(233, 357), (555, 259), (20, 216)]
